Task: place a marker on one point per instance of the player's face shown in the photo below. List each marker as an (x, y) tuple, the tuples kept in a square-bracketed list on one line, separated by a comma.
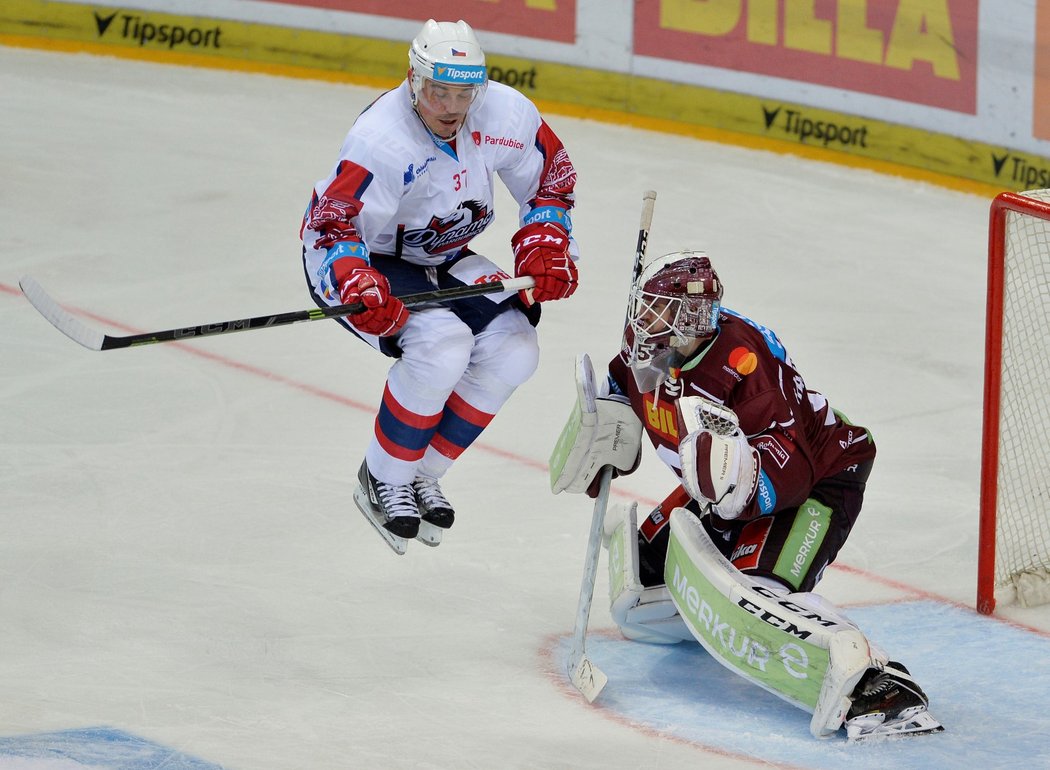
[(656, 315), (443, 107)]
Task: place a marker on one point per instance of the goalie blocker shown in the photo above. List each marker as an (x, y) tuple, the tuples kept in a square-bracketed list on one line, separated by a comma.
[(600, 431)]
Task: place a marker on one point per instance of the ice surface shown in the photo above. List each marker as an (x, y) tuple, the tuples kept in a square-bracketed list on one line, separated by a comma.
[(182, 563)]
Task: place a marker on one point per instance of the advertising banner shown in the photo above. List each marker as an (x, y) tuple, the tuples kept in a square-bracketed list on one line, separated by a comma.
[(1041, 95), (919, 51), (543, 19)]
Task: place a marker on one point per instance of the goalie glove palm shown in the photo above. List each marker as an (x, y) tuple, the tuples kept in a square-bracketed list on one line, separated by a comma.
[(719, 466)]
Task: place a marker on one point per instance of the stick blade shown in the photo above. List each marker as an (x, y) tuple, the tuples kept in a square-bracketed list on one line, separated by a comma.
[(58, 317), (587, 677)]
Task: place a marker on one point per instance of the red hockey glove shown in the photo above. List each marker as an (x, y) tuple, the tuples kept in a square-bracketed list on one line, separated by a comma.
[(541, 250), (384, 314)]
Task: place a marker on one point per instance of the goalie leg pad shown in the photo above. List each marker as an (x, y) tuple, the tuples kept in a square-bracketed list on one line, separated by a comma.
[(783, 643), (643, 614)]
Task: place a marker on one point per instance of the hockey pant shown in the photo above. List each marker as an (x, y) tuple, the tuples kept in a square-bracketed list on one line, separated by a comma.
[(791, 547), (456, 365)]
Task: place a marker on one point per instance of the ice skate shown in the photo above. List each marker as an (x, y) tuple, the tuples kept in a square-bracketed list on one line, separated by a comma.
[(435, 510), (888, 703), (390, 508)]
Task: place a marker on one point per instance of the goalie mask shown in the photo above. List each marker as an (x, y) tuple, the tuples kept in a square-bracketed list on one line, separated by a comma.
[(674, 303), (447, 75)]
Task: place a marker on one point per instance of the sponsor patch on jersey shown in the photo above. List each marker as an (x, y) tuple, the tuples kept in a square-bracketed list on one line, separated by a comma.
[(505, 141), (749, 547), (652, 525), (743, 360), (773, 448), (776, 347), (660, 417), (765, 494), (853, 437), (413, 172), (549, 214)]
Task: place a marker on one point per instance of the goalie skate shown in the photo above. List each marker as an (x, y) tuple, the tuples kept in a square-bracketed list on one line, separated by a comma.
[(390, 509), (888, 703)]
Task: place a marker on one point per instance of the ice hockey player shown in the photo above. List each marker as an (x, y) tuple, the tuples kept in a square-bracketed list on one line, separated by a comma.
[(772, 480), (412, 186)]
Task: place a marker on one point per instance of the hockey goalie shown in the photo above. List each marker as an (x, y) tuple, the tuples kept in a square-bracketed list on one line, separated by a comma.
[(771, 481)]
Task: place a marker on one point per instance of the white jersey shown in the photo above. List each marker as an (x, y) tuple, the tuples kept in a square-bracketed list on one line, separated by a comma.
[(398, 190)]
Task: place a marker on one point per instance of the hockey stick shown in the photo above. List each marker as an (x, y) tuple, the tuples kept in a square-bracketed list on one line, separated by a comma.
[(648, 203), (584, 675), (96, 340)]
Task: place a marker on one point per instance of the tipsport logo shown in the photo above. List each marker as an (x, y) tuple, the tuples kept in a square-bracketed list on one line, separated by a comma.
[(146, 33), (809, 131), (472, 74), (1022, 173)]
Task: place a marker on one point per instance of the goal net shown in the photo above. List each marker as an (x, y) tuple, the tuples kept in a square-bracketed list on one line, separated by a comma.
[(1014, 549)]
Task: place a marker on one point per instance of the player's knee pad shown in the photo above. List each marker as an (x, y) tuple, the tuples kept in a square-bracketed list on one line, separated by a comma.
[(507, 351), (435, 351)]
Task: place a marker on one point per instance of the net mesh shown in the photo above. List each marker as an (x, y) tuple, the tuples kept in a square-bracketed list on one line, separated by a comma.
[(1022, 547)]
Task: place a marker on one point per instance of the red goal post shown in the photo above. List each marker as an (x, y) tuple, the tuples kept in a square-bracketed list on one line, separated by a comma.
[(1013, 562)]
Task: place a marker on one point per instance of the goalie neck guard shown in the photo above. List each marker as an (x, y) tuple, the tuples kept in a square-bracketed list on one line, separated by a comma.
[(674, 303)]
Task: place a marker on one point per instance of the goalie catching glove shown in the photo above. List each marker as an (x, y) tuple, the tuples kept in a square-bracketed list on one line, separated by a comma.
[(719, 466)]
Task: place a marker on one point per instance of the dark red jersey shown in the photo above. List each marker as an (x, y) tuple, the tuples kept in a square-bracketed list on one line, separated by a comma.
[(800, 439)]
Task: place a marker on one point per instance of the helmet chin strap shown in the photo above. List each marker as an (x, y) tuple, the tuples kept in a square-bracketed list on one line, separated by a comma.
[(437, 138)]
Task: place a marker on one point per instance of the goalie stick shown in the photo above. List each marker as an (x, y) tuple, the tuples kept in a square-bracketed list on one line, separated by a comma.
[(648, 203), (95, 340), (584, 675)]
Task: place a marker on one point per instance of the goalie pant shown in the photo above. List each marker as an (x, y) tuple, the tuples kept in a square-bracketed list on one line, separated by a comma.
[(792, 546)]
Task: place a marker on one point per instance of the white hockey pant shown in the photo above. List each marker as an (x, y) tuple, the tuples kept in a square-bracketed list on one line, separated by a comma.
[(441, 356)]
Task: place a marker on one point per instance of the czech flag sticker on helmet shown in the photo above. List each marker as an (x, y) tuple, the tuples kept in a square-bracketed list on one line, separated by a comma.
[(468, 74)]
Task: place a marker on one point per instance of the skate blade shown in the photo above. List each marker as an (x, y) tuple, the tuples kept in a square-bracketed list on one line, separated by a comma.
[(429, 534), (397, 544), (922, 723)]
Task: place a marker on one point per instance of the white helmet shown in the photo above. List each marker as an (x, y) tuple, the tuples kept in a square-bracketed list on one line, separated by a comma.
[(447, 52)]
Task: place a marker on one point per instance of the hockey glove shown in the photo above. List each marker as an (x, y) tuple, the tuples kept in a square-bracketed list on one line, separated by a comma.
[(624, 437), (719, 467), (541, 250), (359, 282)]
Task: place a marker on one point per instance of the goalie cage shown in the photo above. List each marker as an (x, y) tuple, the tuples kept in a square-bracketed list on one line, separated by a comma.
[(1013, 563)]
